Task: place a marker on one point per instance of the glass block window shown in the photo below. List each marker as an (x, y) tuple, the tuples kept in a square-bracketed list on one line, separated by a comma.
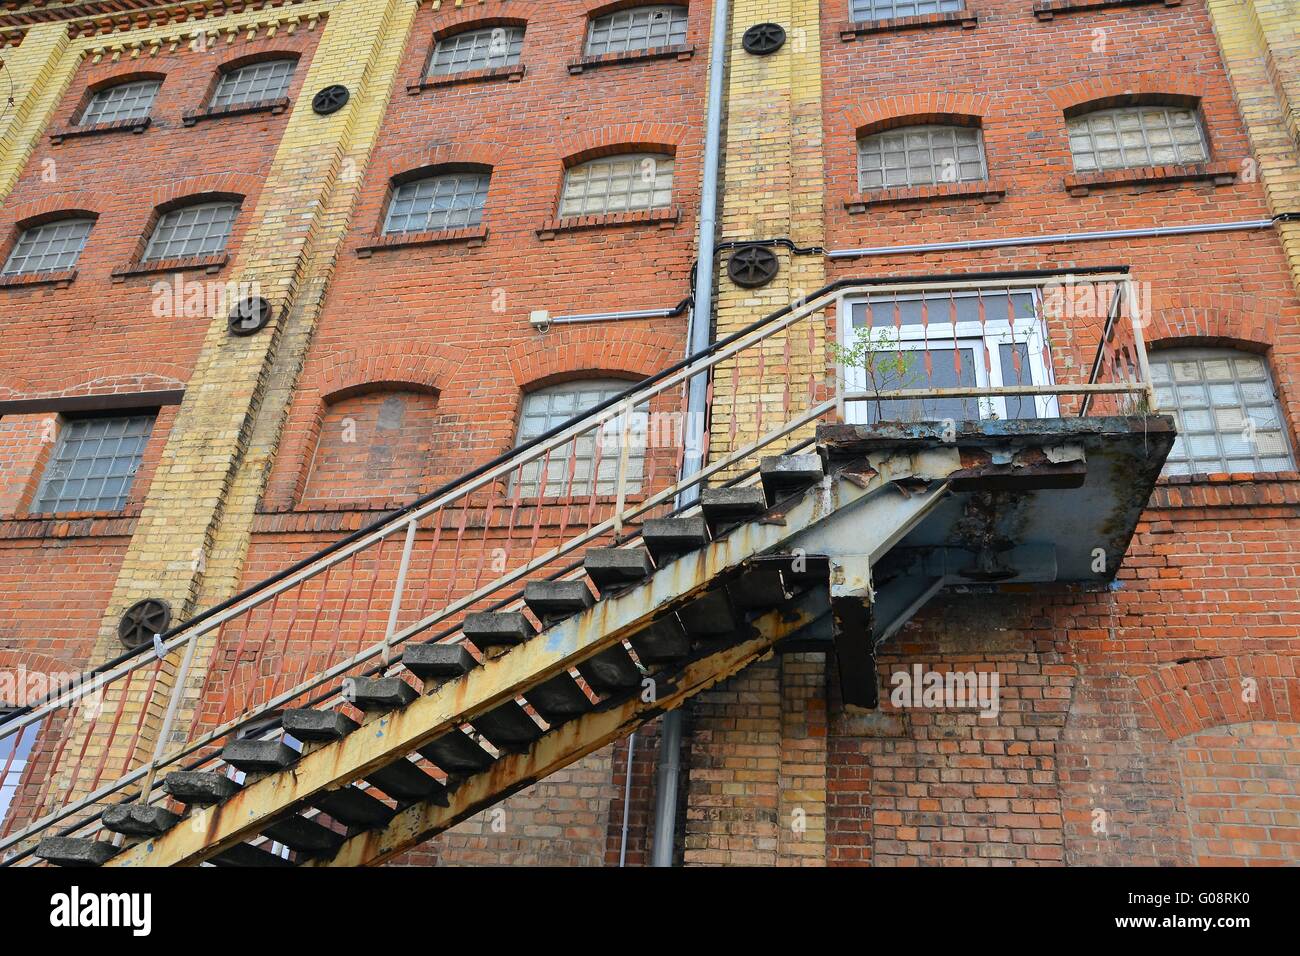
[(477, 50), (593, 458), (198, 230), (1227, 412), (125, 101), (445, 201), (268, 80), (15, 753), (1137, 136), (863, 10), (51, 247), (640, 28), (921, 156), (618, 184), (94, 464)]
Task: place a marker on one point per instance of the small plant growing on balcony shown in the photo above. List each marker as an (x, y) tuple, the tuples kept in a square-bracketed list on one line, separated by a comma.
[(885, 365)]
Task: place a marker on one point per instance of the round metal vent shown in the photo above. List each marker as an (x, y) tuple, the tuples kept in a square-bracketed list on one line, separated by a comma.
[(330, 100), (143, 620), (753, 266), (763, 38), (249, 317)]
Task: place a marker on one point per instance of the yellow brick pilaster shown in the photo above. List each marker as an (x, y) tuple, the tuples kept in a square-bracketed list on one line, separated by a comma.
[(39, 70), (773, 188)]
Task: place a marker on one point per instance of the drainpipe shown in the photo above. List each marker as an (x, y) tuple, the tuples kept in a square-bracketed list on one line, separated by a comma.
[(699, 337)]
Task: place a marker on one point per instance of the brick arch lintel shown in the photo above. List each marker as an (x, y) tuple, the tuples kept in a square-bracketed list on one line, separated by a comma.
[(127, 73), (1122, 89), (444, 154), (570, 354), (621, 138), (457, 19), (53, 204), (193, 187), (1194, 696), (915, 108), (1237, 321)]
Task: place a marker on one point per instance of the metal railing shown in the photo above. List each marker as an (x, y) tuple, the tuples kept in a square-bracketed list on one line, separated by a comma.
[(345, 611)]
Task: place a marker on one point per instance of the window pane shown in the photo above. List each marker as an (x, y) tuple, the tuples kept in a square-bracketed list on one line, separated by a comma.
[(448, 201), (122, 102), (15, 754), (93, 464), (1226, 410), (921, 156), (641, 28), (863, 10), (618, 184), (477, 50), (1136, 136), (198, 230), (254, 83), (571, 468), (49, 247)]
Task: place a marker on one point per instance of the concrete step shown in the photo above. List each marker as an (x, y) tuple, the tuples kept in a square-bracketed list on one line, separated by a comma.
[(508, 727), (784, 475), (611, 671), (305, 836), (242, 854), (486, 629), (759, 589), (136, 819), (309, 724), (75, 851), (454, 753), (553, 601), (354, 807), (438, 661), (661, 642), (199, 787), (727, 506), (407, 783), (668, 538), (259, 756), (616, 567), (559, 699), (378, 695), (710, 616)]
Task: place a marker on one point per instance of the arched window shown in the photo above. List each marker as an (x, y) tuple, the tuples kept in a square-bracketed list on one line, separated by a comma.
[(94, 463), (621, 183), (123, 101), (640, 28), (921, 156), (865, 10), (50, 247), (254, 83), (593, 458), (199, 229), (438, 202), (378, 444), (483, 49), (1129, 136), (1227, 410)]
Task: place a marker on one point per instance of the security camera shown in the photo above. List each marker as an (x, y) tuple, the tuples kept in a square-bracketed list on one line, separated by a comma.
[(540, 319)]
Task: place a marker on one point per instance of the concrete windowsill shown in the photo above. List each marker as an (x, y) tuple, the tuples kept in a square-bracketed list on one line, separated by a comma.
[(678, 51), (990, 191), (471, 238), (60, 279), (1222, 173), (862, 28), (666, 218), (497, 74), (100, 129)]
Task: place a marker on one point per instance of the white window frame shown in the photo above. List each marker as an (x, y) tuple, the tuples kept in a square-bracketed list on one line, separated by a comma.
[(512, 34), (11, 781), (103, 94), (940, 334), (608, 21)]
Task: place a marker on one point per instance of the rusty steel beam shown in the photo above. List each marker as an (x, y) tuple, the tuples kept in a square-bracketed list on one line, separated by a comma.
[(572, 741), (211, 830)]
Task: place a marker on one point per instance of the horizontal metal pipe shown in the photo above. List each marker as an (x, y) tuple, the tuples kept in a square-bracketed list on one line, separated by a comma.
[(1149, 233), (613, 316)]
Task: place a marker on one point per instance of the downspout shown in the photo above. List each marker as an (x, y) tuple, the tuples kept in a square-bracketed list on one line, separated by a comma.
[(699, 336)]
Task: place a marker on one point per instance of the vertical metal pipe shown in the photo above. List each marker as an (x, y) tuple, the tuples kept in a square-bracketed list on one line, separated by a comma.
[(627, 799), (699, 337)]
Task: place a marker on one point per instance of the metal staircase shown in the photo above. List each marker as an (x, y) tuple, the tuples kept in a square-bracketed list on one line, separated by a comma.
[(813, 531)]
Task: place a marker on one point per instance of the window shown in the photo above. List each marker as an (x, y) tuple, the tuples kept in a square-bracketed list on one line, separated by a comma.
[(546, 408), (51, 247), (255, 83), (969, 338), (94, 463), (434, 203), (641, 28), (921, 156), (617, 184), (1137, 136), (1226, 409), (125, 101), (863, 10), (15, 753), (200, 229), (477, 50)]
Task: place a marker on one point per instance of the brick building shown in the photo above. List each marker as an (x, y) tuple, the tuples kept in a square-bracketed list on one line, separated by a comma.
[(273, 270)]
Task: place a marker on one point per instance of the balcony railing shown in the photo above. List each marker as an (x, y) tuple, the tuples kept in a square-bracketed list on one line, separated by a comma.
[(1010, 345)]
